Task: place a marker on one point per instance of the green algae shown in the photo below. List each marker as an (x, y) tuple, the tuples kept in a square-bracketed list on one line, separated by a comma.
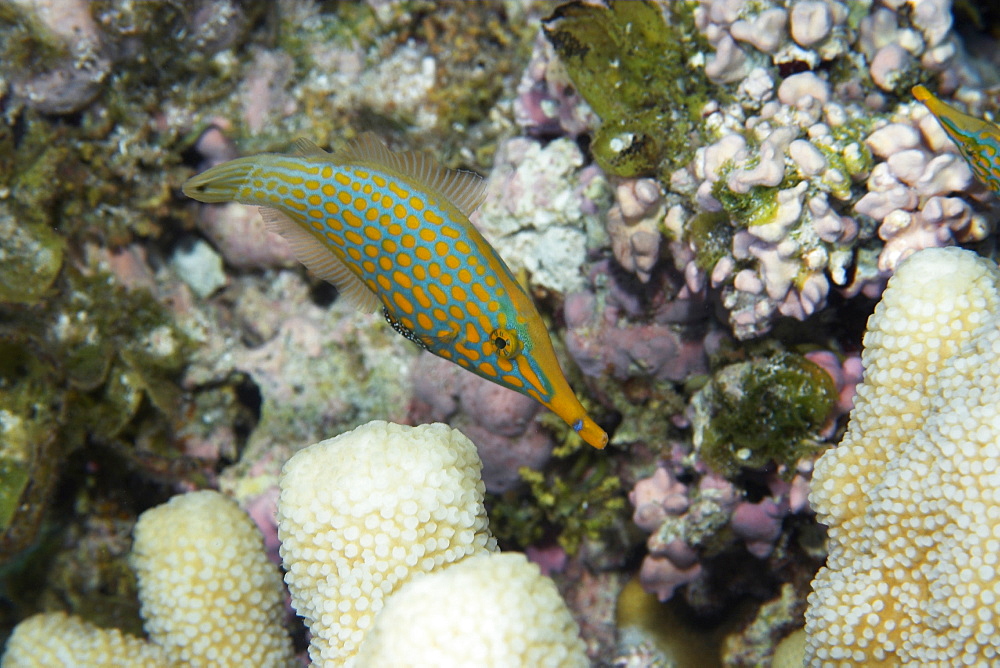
[(577, 500), (30, 258), (30, 446), (14, 477), (90, 363), (27, 45), (632, 64), (757, 206), (768, 409), (711, 234)]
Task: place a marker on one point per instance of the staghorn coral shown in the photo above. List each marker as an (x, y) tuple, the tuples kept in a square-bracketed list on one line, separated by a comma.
[(913, 192), (909, 496), (633, 225)]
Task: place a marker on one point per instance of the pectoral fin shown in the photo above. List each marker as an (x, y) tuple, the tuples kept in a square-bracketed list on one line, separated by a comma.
[(321, 260)]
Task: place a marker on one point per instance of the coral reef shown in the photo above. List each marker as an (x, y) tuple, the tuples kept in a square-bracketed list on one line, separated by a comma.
[(405, 501), (232, 613), (908, 496), (502, 423), (801, 163), (57, 639), (703, 198)]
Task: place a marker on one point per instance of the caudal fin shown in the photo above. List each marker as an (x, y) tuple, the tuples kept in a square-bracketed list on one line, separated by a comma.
[(222, 182)]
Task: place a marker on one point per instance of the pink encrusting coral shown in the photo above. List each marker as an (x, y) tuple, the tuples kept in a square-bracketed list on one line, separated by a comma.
[(692, 523), (629, 331), (546, 100), (798, 163)]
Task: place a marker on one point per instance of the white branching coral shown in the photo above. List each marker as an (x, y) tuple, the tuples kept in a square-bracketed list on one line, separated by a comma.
[(362, 513), (208, 594), (488, 610), (911, 494), (361, 517), (55, 639)]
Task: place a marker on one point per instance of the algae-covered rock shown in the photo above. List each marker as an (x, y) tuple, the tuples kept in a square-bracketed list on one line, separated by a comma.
[(630, 63), (579, 501), (29, 427), (76, 368), (15, 469), (767, 409), (30, 258)]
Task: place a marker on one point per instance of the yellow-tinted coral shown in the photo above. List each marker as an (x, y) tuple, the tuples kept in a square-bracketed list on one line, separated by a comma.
[(56, 640), (912, 494), (488, 610), (209, 595), (361, 513)]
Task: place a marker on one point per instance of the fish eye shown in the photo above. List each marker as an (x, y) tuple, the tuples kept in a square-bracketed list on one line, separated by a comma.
[(505, 341)]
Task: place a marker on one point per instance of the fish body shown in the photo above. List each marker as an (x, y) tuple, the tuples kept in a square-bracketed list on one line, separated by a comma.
[(978, 140), (392, 230)]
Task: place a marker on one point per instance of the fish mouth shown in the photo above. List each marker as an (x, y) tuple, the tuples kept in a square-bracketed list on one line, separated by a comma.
[(220, 183)]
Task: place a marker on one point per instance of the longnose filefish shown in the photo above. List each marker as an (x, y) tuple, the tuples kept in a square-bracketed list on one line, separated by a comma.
[(392, 230), (977, 139)]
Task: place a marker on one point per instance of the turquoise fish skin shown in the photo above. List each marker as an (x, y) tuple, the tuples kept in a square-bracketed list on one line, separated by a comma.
[(977, 139), (392, 230)]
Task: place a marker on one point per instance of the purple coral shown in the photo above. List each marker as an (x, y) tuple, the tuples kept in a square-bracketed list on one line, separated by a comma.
[(689, 523), (627, 331), (547, 101), (633, 225)]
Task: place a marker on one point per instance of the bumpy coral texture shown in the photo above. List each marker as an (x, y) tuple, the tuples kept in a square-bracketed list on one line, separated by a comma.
[(362, 513), (488, 610), (55, 639), (910, 496), (208, 594)]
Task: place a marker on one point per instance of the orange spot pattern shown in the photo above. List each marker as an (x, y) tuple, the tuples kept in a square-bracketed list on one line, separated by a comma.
[(449, 290)]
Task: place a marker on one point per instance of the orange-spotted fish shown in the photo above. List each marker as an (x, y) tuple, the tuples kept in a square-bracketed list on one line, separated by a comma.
[(978, 140), (392, 229)]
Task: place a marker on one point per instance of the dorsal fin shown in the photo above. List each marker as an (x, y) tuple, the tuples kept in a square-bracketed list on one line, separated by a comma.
[(466, 190), (307, 148), (321, 261)]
